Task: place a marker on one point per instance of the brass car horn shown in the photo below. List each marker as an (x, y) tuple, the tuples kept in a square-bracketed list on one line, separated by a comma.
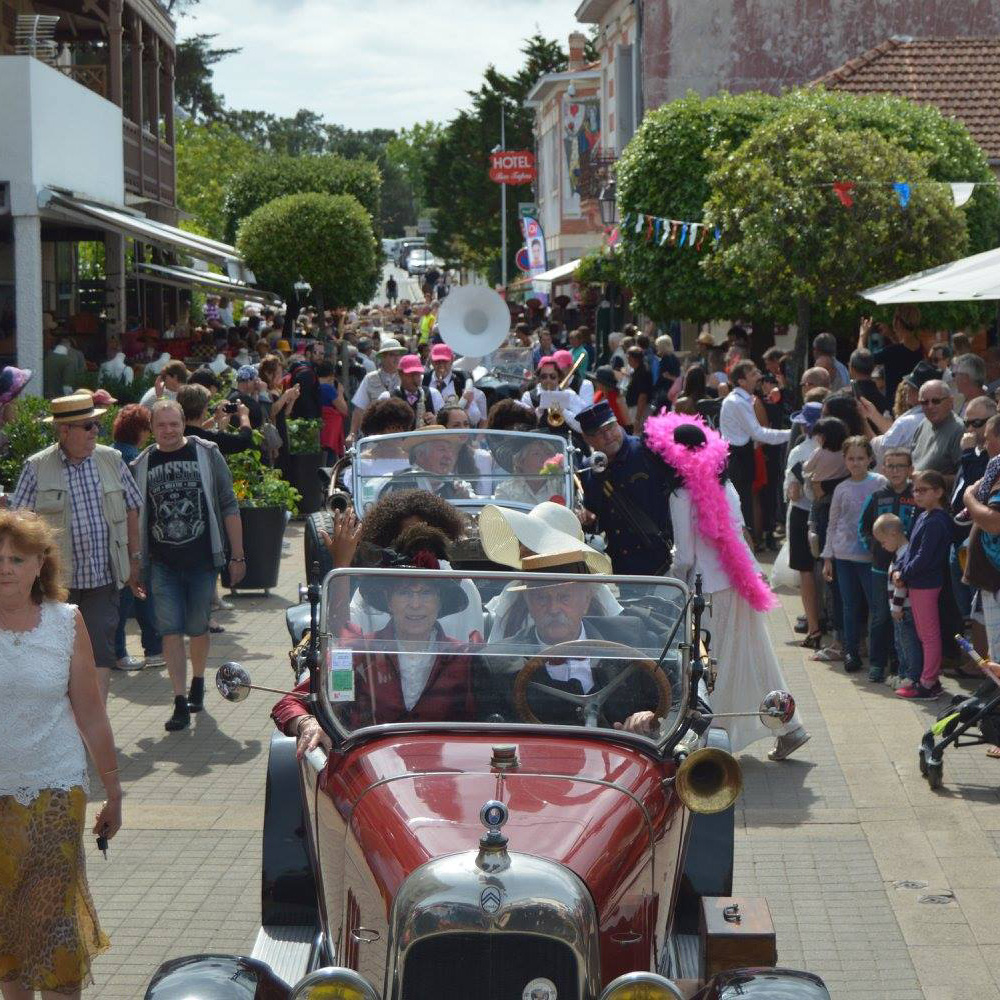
[(709, 780)]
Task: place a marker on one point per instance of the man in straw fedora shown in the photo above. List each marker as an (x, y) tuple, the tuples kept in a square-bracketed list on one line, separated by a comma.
[(86, 492), (548, 613)]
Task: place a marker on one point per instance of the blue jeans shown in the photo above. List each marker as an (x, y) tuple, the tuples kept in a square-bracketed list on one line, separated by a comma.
[(879, 622), (908, 647), (183, 598), (131, 606), (854, 583), (963, 594)]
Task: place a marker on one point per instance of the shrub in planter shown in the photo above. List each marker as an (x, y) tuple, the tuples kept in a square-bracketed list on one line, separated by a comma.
[(264, 497), (305, 459)]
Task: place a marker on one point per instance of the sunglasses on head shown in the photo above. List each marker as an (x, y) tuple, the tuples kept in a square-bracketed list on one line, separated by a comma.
[(934, 401), (977, 422)]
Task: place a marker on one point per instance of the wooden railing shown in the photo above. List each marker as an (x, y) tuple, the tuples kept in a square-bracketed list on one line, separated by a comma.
[(149, 164), (93, 77)]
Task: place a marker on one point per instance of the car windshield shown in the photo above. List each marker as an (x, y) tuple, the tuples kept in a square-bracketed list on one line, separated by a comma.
[(405, 647), (511, 362), (466, 467)]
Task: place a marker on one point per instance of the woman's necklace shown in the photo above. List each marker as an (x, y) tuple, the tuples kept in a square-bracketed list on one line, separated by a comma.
[(17, 633)]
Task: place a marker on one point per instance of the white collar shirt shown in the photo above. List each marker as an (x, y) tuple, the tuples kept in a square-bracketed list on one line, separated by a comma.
[(738, 423), (573, 668)]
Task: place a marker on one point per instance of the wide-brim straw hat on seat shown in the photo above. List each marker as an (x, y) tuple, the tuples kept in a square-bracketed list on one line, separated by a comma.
[(549, 529), (74, 409)]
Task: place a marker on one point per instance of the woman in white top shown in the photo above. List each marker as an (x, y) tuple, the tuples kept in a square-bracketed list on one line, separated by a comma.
[(748, 668), (49, 932)]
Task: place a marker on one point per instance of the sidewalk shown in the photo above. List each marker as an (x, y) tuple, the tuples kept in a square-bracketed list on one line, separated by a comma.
[(843, 839)]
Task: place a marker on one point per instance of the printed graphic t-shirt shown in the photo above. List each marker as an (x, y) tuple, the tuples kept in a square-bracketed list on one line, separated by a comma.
[(178, 514)]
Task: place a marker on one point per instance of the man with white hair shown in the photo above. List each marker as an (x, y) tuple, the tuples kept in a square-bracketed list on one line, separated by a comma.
[(969, 375), (937, 444)]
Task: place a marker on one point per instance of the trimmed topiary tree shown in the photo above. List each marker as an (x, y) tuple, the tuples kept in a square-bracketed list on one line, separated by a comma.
[(325, 239), (789, 242), (268, 177)]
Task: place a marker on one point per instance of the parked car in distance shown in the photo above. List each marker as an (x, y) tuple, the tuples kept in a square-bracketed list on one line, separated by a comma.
[(407, 244), (420, 261)]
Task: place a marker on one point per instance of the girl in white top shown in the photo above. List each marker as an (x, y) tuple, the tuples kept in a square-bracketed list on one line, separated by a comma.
[(53, 709)]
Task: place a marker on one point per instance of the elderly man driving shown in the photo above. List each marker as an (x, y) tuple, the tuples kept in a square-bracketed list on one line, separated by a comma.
[(558, 612)]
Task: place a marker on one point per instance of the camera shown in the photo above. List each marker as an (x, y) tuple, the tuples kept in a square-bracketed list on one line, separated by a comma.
[(230, 408)]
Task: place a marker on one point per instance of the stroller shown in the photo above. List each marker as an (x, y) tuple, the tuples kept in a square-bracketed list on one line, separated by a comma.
[(969, 721)]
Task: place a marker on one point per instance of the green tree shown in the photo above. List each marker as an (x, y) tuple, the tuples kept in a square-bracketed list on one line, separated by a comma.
[(457, 184), (193, 87), (664, 171), (412, 150), (266, 178), (326, 239), (790, 244), (208, 155)]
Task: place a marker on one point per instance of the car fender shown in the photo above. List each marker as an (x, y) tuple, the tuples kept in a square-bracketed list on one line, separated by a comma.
[(288, 883), (216, 977), (708, 863), (763, 984)]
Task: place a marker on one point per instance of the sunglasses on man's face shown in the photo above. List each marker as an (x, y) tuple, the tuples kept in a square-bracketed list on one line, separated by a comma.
[(934, 401), (977, 423), (88, 426)]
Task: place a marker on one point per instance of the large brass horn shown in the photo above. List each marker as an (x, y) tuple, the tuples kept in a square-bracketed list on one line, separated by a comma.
[(709, 780)]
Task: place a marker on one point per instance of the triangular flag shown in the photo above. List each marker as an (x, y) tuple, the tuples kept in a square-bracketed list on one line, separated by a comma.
[(717, 234), (684, 235), (625, 218), (903, 193), (667, 230), (674, 228), (843, 190), (639, 220), (613, 236), (649, 228), (701, 237), (962, 192), (657, 226), (695, 226)]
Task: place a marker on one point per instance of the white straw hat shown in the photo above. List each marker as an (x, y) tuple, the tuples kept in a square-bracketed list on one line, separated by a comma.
[(547, 530)]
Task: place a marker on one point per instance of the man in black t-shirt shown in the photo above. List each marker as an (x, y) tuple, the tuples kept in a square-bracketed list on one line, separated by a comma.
[(640, 388), (904, 354)]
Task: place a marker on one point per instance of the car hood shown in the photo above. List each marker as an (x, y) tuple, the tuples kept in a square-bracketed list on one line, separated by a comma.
[(586, 804)]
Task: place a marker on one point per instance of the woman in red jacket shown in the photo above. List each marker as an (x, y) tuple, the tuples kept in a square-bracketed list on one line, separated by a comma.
[(428, 677)]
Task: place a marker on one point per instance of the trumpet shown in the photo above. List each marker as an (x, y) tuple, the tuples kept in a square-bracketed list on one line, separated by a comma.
[(554, 416)]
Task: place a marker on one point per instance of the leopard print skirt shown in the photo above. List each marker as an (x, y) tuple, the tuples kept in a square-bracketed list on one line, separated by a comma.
[(48, 925)]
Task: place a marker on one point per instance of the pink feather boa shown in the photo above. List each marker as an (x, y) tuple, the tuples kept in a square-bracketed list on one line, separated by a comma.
[(700, 469)]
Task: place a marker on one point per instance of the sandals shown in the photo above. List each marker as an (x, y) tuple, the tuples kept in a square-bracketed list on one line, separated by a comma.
[(829, 654), (993, 753), (811, 641)]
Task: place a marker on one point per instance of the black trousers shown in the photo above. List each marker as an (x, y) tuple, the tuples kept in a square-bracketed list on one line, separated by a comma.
[(741, 472)]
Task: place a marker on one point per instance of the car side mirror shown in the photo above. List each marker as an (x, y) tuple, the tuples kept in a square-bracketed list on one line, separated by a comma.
[(776, 710), (233, 682)]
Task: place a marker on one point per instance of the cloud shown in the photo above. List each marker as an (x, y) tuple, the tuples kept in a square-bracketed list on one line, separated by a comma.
[(382, 64)]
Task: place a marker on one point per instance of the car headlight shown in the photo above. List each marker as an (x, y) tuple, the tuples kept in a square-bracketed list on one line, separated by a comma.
[(641, 986), (334, 984)]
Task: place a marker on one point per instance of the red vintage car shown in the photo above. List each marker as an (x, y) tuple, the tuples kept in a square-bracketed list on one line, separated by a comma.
[(522, 798)]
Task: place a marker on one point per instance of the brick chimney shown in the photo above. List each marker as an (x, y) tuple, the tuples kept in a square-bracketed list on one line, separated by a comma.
[(577, 43)]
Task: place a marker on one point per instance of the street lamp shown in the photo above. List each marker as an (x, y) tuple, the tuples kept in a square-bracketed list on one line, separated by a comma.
[(607, 201)]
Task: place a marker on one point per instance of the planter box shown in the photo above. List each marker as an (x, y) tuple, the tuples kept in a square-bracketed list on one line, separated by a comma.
[(303, 474), (263, 531)]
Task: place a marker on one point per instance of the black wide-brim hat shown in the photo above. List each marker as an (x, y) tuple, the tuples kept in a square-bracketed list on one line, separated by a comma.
[(376, 589)]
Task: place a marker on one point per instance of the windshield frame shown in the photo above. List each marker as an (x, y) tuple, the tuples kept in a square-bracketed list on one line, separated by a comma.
[(347, 739), (477, 502)]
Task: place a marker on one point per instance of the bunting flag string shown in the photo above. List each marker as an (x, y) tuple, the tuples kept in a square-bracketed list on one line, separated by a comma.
[(663, 232)]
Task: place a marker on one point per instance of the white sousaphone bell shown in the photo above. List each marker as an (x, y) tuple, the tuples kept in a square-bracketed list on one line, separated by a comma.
[(474, 320)]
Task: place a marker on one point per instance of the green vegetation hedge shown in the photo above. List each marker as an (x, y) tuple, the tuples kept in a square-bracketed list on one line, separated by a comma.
[(665, 171), (268, 177), (325, 239)]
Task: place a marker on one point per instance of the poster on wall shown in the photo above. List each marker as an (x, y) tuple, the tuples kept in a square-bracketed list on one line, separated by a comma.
[(581, 129)]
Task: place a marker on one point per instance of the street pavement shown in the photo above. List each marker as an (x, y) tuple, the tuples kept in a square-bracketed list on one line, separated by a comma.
[(886, 889), (407, 287)]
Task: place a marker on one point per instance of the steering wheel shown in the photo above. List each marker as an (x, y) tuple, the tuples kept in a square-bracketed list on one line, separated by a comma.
[(592, 704)]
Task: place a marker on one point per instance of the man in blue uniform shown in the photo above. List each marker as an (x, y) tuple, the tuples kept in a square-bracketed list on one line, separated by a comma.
[(628, 501)]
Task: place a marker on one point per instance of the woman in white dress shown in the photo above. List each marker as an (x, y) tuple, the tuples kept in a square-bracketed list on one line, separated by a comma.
[(52, 711), (748, 668)]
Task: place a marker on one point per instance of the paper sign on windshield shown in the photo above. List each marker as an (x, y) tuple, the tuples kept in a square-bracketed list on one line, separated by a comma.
[(340, 675)]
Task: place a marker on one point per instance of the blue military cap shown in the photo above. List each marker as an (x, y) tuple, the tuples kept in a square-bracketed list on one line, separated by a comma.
[(593, 418)]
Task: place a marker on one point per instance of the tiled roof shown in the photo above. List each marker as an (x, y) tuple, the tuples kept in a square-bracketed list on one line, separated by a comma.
[(959, 76)]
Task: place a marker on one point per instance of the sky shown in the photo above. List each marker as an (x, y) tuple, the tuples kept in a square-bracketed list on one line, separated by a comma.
[(374, 64)]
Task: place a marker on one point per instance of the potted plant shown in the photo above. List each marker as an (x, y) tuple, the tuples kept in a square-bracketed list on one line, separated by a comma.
[(265, 500), (305, 457)]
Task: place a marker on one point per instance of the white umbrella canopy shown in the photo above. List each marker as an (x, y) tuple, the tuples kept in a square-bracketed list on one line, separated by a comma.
[(971, 279)]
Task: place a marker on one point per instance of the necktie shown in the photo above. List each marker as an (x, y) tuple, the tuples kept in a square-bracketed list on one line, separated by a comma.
[(440, 385)]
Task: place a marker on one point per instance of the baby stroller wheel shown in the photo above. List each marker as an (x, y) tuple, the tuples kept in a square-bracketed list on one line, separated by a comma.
[(922, 760), (935, 770)]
